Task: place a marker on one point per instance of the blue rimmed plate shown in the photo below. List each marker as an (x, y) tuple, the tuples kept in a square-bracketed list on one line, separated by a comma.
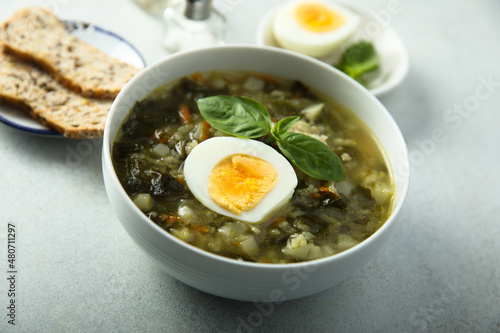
[(106, 41)]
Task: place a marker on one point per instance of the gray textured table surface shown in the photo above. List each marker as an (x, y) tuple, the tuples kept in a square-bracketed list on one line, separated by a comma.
[(78, 270)]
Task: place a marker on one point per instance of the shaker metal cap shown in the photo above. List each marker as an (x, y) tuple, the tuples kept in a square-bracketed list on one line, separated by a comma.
[(198, 9)]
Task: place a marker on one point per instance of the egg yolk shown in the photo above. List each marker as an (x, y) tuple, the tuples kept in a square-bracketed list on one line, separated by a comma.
[(317, 17), (239, 182)]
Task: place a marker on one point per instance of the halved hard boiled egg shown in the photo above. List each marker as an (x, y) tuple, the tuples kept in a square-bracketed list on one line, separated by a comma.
[(314, 27), (240, 178)]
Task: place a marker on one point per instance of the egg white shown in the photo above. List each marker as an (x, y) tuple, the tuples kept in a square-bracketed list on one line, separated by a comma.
[(291, 35), (206, 155)]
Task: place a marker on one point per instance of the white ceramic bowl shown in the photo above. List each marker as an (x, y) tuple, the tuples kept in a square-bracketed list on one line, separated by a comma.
[(227, 277)]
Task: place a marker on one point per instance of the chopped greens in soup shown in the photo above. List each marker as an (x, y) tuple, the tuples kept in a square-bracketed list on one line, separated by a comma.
[(314, 219)]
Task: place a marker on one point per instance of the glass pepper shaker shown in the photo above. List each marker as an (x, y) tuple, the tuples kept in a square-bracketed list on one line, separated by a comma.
[(189, 24)]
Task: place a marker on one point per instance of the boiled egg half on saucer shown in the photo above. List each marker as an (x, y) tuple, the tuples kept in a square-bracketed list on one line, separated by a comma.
[(313, 27)]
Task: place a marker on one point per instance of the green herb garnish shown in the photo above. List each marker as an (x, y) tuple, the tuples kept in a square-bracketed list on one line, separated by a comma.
[(238, 116), (359, 59), (247, 118)]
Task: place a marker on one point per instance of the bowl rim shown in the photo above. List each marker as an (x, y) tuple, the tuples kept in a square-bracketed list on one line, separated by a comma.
[(107, 161)]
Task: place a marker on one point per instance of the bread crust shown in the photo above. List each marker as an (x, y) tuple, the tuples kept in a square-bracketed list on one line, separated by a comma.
[(36, 34)]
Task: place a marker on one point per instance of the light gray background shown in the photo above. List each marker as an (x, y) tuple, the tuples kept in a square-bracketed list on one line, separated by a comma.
[(78, 270)]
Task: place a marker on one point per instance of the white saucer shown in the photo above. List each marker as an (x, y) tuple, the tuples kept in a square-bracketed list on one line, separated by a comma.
[(106, 41), (394, 59)]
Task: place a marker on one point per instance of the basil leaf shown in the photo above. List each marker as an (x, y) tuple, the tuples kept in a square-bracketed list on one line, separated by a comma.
[(283, 126), (239, 116), (359, 59), (311, 156)]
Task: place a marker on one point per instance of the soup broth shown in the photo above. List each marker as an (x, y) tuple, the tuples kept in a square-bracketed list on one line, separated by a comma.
[(322, 218)]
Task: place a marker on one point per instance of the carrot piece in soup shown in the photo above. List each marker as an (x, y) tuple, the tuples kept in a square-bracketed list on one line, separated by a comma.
[(185, 114)]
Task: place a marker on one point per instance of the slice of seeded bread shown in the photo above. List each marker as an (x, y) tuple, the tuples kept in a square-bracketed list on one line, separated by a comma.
[(24, 85), (35, 34)]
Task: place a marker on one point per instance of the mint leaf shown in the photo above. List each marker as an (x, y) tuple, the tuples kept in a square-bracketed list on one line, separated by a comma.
[(311, 156), (239, 116)]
